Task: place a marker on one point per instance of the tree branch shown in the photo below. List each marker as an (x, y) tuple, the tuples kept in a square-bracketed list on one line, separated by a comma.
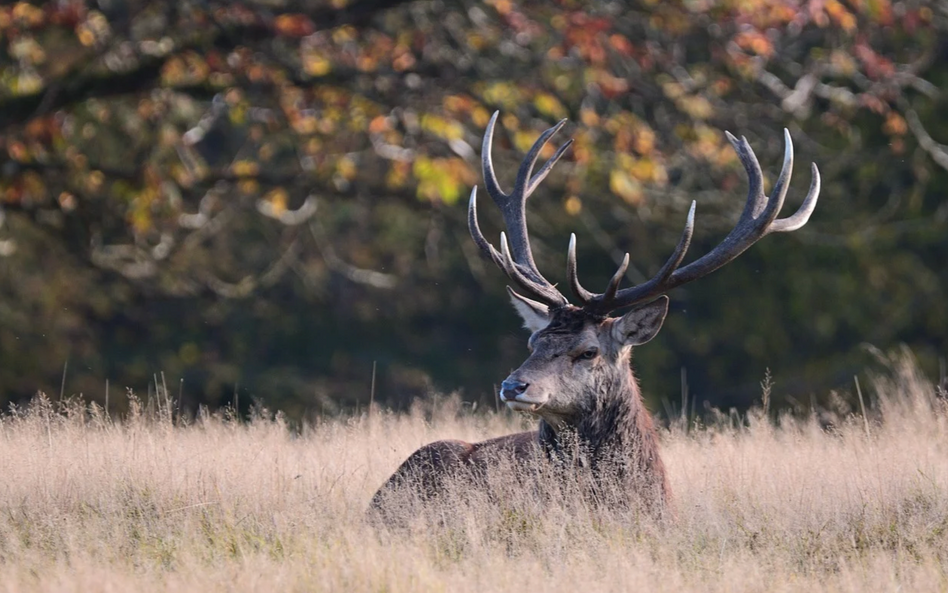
[(73, 88), (938, 152)]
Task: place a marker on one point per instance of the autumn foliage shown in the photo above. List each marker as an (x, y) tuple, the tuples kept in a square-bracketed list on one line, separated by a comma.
[(268, 197)]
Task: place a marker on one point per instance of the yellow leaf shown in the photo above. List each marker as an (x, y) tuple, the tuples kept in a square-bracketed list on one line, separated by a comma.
[(248, 186), (475, 41), (644, 141), (549, 105), (305, 124), (642, 169), (449, 189), (440, 179), (697, 107), (140, 220), (316, 64), (27, 13), (277, 198), (422, 168), (673, 90), (843, 62), (442, 127), (397, 175), (28, 82), (524, 139), (344, 34), (624, 186), (346, 167), (238, 113), (589, 117), (480, 116), (245, 168), (504, 94)]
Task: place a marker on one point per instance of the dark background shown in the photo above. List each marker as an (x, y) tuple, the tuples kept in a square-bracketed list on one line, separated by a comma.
[(267, 198)]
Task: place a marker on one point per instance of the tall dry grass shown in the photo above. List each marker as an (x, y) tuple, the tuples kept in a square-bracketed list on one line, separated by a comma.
[(87, 504)]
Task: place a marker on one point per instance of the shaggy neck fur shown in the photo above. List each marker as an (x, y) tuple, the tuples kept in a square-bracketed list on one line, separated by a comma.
[(615, 439)]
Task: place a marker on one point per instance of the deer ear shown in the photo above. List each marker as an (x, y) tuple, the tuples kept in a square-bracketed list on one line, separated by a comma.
[(642, 324), (536, 316)]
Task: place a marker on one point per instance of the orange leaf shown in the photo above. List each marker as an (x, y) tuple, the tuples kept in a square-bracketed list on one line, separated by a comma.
[(293, 25)]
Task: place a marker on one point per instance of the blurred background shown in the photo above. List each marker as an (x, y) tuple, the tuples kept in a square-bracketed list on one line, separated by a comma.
[(266, 200)]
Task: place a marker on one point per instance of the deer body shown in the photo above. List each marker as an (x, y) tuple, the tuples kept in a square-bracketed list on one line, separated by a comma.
[(578, 380), (594, 418)]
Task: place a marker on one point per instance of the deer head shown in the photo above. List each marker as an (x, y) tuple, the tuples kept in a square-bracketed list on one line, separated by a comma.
[(579, 354)]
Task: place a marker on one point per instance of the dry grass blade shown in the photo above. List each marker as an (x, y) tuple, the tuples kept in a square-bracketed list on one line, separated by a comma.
[(217, 505)]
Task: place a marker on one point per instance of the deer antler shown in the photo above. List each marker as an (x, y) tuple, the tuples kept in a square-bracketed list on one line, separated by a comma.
[(516, 259), (758, 219)]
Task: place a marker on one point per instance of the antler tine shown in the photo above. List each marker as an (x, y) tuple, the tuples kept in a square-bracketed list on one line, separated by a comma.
[(684, 242), (487, 164), (754, 222), (547, 167), (584, 296), (522, 186), (525, 181), (613, 285), (756, 200), (514, 204), (607, 301), (783, 179), (547, 293), (758, 219), (802, 215), (516, 259), (760, 209), (475, 229), (501, 259)]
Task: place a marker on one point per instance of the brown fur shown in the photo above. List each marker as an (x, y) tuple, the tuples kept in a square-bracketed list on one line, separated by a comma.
[(577, 379), (593, 420)]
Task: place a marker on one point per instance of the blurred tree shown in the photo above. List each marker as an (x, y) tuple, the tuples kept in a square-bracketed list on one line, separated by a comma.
[(266, 197)]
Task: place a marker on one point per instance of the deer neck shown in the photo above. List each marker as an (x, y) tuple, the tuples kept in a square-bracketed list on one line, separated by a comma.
[(616, 430), (606, 428)]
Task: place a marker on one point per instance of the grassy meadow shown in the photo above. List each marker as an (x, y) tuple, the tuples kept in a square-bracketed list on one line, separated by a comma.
[(833, 502)]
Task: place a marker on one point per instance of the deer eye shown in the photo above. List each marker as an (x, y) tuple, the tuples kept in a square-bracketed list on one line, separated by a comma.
[(589, 354)]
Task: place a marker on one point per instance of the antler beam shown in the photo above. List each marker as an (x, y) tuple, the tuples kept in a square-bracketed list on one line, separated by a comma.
[(516, 259), (758, 219)]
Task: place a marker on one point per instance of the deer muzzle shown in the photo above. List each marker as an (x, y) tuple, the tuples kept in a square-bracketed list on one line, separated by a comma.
[(513, 392)]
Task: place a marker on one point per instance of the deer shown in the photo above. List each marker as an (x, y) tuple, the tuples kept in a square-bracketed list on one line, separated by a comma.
[(577, 381)]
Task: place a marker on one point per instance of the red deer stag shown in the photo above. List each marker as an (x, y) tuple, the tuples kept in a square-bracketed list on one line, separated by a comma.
[(578, 379)]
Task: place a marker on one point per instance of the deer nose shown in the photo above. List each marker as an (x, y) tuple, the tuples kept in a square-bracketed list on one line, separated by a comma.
[(510, 389)]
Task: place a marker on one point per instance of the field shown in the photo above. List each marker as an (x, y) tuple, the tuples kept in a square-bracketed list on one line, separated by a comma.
[(830, 502)]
